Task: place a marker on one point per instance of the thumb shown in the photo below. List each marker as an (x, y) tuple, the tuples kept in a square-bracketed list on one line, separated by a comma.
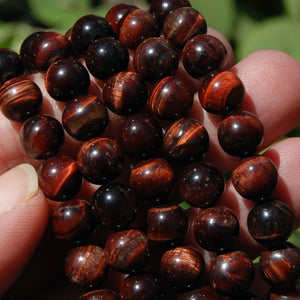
[(23, 218)]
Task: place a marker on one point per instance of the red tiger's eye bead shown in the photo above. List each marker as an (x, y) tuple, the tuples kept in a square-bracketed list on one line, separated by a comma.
[(103, 294), (203, 293)]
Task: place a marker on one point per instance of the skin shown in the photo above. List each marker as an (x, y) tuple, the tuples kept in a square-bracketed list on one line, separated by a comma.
[(272, 83)]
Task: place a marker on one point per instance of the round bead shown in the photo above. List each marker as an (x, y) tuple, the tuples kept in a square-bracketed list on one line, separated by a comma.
[(183, 23), (20, 99), (200, 184), (203, 54), (105, 57), (72, 220), (221, 92), (66, 79), (125, 93), (255, 177), (86, 265), (103, 294), (114, 205), (216, 228), (100, 160), (231, 273), (182, 266), (240, 133), (42, 136), (155, 58), (187, 140), (171, 98), (203, 293), (270, 223), (85, 117), (127, 251)]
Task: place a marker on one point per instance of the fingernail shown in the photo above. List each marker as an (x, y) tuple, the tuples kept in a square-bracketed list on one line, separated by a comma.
[(16, 186)]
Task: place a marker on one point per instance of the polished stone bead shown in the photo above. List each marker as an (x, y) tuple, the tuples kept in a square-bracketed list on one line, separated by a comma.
[(203, 293), (103, 294)]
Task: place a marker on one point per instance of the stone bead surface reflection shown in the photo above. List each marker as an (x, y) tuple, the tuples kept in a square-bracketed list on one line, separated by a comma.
[(203, 293), (103, 294)]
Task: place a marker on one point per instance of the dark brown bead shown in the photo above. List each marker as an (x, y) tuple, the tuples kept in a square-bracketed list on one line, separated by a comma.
[(284, 293), (42, 136), (216, 228), (155, 58), (152, 178), (171, 98), (125, 93), (245, 296), (182, 266), (103, 294), (221, 92), (255, 177), (73, 220), (240, 133), (231, 273), (183, 23), (20, 99), (86, 265), (200, 184), (59, 178), (85, 117), (136, 26), (186, 140), (203, 293), (100, 160), (127, 251), (270, 223)]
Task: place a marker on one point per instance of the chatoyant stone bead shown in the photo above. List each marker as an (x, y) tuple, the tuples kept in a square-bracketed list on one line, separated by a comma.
[(155, 58), (20, 99), (200, 184), (166, 223), (182, 24), (141, 286), (105, 57), (42, 136), (136, 26), (73, 220), (182, 267), (280, 266), (271, 222), (255, 177), (86, 265), (127, 251), (100, 160), (66, 79), (240, 133), (125, 93), (103, 294), (85, 117), (88, 29), (186, 140), (231, 273), (203, 54), (203, 293), (221, 92), (59, 178), (140, 135), (152, 178), (171, 98), (11, 65), (284, 293), (216, 228), (114, 205)]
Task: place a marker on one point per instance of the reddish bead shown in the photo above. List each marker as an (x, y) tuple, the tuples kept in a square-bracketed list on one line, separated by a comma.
[(100, 160), (59, 178), (73, 220), (216, 228), (221, 92), (255, 177), (125, 93), (20, 99), (171, 98), (103, 294), (155, 58), (186, 140), (42, 136), (86, 265), (85, 117), (231, 273), (203, 293), (183, 23), (127, 251)]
